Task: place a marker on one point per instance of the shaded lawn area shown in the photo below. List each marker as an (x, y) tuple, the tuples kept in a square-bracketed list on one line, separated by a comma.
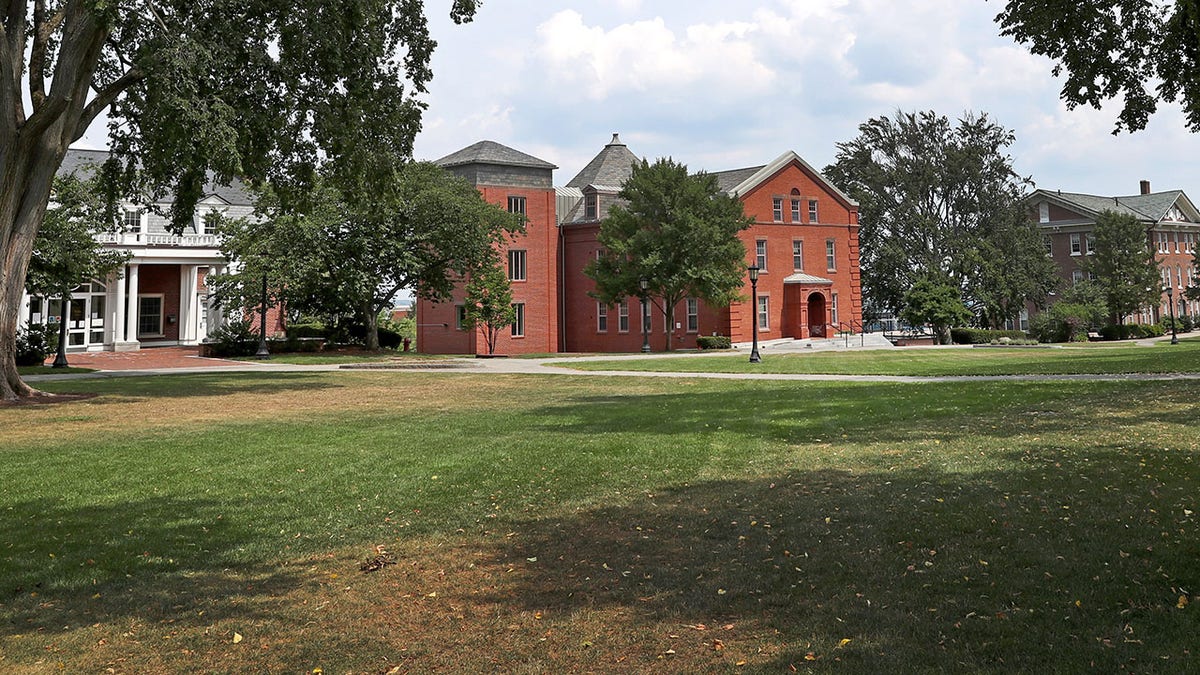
[(557, 524), (51, 370), (1160, 358), (342, 356)]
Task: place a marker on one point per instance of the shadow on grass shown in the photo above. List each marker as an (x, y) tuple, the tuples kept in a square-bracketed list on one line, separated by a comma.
[(124, 389), (1076, 562), (154, 559)]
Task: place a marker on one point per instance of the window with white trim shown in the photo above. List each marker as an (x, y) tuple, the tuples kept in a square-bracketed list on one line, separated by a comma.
[(591, 206), (1048, 242), (797, 255), (516, 265), (795, 209), (150, 315), (764, 312), (131, 220), (1076, 244), (760, 254), (601, 317), (1089, 243), (623, 317), (777, 209), (831, 255), (833, 309), (518, 324), (1076, 276), (460, 317), (647, 321), (812, 211), (693, 315)]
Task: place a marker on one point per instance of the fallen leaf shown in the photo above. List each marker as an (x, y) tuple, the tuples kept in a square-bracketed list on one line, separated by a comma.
[(237, 637), (810, 657), (1183, 602), (843, 642)]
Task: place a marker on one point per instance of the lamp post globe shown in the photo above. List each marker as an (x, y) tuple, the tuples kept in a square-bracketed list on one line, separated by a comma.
[(753, 270)]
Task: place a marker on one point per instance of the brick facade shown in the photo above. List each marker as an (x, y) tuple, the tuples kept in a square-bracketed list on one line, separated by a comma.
[(561, 315)]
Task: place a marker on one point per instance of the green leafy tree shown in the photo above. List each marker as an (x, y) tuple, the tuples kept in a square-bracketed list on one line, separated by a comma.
[(1123, 265), (935, 302), (1142, 52), (1079, 309), (66, 253), (489, 302), (941, 200), (424, 229), (678, 232), (256, 89)]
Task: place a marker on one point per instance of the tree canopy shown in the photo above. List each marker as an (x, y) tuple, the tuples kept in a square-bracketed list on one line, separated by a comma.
[(1141, 51), (425, 229), (678, 232), (254, 89), (66, 252), (488, 302), (1123, 265), (939, 200)]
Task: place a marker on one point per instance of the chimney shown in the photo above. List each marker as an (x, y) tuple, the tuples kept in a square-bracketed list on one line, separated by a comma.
[(1145, 187)]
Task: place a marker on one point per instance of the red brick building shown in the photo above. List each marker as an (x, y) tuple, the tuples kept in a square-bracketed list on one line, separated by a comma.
[(1171, 220), (804, 240)]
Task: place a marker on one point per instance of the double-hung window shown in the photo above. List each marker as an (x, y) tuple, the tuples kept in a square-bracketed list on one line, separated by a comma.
[(831, 255), (623, 317), (795, 209), (516, 265), (601, 317), (518, 324), (760, 254), (777, 209), (693, 315), (812, 211), (797, 255), (764, 312)]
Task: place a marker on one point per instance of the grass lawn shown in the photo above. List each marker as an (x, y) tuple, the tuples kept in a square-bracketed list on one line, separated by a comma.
[(1125, 358), (578, 524)]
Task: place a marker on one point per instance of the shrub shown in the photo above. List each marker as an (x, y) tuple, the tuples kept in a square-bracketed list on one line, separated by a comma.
[(306, 330), (34, 344), (1186, 323), (1064, 322), (1131, 331), (979, 336), (389, 339), (234, 339), (713, 342)]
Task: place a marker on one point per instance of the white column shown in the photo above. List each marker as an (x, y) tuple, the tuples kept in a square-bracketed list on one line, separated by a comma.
[(119, 306), (184, 304), (131, 323), (194, 308)]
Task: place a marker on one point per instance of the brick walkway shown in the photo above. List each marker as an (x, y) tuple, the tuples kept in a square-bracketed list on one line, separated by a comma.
[(145, 359)]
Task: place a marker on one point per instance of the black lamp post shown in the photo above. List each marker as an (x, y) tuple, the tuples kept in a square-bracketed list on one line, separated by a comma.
[(754, 357), (1171, 302), (644, 285), (263, 352)]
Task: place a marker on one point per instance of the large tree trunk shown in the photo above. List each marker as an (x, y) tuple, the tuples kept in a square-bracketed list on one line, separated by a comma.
[(26, 177), (31, 151), (372, 321)]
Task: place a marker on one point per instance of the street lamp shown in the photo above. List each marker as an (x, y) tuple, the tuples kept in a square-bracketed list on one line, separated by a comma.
[(1171, 302), (644, 285), (754, 357), (263, 352)]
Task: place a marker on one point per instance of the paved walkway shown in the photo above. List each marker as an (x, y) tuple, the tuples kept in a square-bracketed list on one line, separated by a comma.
[(184, 360)]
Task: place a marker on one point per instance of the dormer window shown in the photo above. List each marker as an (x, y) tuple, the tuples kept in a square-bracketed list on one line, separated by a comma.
[(590, 206)]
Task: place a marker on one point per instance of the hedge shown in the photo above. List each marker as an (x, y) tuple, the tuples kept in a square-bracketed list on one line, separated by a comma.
[(713, 342), (979, 336), (1131, 331)]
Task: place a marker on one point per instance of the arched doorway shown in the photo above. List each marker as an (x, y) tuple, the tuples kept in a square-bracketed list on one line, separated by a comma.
[(816, 315)]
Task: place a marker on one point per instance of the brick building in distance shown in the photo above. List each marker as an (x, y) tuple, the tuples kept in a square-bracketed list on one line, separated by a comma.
[(804, 240), (1170, 219)]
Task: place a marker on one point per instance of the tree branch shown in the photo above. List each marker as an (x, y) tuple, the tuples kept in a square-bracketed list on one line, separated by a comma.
[(37, 55), (104, 99)]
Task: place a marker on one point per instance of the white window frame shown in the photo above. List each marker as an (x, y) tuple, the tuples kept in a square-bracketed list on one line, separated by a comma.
[(601, 317), (796, 209), (518, 324), (591, 206), (133, 219), (831, 255), (162, 310), (797, 255), (833, 309), (517, 260), (1076, 243), (777, 209), (623, 317), (760, 254), (693, 315), (1076, 276), (814, 211), (763, 312), (1049, 242), (1089, 243)]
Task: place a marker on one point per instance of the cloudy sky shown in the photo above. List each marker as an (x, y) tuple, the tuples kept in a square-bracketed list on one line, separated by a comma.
[(723, 85)]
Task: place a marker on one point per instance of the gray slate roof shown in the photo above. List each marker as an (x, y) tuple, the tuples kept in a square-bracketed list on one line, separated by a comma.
[(491, 152), (727, 180), (613, 166), (1149, 208), (77, 161)]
